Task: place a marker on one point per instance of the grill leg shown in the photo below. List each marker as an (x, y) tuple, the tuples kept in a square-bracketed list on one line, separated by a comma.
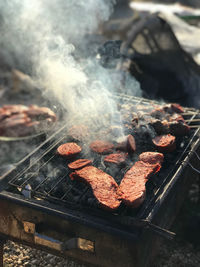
[(2, 242)]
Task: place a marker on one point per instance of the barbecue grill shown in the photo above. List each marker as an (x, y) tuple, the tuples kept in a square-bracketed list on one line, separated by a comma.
[(41, 207)]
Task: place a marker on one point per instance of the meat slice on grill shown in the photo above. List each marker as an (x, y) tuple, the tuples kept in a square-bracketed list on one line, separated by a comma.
[(132, 188), (151, 157), (127, 144), (161, 111), (165, 143), (79, 163), (176, 126), (69, 150), (104, 187), (173, 107), (101, 147), (161, 127), (116, 158), (79, 132)]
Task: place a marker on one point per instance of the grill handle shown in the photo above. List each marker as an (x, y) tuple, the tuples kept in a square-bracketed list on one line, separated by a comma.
[(44, 240)]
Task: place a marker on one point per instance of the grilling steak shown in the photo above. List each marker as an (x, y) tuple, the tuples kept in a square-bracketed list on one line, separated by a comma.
[(79, 163), (127, 144), (69, 150), (104, 187), (176, 126), (132, 188), (117, 158), (165, 143), (151, 157), (101, 147)]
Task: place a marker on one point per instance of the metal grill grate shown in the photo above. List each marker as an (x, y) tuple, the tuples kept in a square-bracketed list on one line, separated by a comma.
[(44, 175)]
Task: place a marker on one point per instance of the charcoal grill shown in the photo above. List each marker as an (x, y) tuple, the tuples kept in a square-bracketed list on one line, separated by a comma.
[(41, 207)]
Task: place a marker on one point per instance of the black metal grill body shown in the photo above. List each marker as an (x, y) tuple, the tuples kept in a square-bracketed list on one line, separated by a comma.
[(123, 238)]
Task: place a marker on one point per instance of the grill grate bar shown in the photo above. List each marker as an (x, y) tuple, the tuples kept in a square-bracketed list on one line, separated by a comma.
[(57, 183), (37, 160), (44, 164), (67, 192)]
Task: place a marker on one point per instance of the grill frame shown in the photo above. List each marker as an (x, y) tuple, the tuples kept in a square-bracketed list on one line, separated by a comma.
[(10, 177), (127, 229)]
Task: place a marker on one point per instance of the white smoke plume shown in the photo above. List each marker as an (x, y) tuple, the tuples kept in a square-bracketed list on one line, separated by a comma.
[(47, 33)]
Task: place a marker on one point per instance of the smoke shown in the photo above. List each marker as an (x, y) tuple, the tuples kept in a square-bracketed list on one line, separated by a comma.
[(44, 36)]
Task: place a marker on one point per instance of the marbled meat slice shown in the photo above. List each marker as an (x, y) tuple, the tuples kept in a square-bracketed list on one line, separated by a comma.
[(151, 157), (104, 187), (116, 158), (79, 163), (165, 143), (132, 190), (101, 147), (69, 150)]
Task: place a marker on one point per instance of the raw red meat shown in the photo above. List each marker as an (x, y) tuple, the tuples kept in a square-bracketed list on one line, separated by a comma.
[(165, 143), (79, 163), (69, 150), (104, 187), (151, 157), (20, 120), (101, 147), (117, 158), (132, 189)]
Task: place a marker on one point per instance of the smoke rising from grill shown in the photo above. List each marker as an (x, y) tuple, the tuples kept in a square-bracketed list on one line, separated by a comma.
[(45, 35)]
